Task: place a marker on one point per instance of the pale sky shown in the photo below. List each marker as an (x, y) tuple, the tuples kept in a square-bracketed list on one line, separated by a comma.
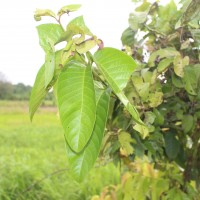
[(21, 55)]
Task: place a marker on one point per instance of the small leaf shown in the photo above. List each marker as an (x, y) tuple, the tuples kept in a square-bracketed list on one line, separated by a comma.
[(155, 99), (74, 28), (185, 44), (117, 67), (143, 130), (49, 34), (159, 117), (125, 141), (127, 37), (40, 13), (177, 81), (78, 26), (172, 145), (69, 8), (149, 117), (85, 46), (187, 123), (179, 65), (162, 53), (164, 64), (80, 164), (77, 106)]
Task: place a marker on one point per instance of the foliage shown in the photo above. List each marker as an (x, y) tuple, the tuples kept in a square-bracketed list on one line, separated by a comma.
[(82, 83), (153, 116)]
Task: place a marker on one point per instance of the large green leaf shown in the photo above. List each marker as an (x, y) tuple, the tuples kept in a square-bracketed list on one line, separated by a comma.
[(80, 164), (77, 104), (49, 34), (38, 92), (117, 67), (69, 8)]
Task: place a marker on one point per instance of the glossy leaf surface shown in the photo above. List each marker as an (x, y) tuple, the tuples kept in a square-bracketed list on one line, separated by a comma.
[(117, 67), (81, 163), (77, 105)]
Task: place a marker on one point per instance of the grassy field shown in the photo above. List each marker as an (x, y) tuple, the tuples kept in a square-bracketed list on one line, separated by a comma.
[(33, 161)]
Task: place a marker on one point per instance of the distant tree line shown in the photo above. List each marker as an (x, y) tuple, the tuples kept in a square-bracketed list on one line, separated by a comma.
[(20, 92)]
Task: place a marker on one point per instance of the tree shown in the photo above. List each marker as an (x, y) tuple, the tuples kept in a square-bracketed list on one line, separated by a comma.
[(150, 106)]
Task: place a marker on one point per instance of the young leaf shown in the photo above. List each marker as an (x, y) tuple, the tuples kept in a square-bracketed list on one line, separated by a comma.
[(125, 141), (75, 27), (117, 67), (49, 35), (77, 105), (80, 164), (40, 13), (38, 92), (85, 46), (69, 8)]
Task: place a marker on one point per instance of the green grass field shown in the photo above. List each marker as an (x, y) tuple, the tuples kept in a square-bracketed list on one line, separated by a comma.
[(33, 161)]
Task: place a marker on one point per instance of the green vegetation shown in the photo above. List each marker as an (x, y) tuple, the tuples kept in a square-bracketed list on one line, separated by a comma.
[(33, 161), (151, 89)]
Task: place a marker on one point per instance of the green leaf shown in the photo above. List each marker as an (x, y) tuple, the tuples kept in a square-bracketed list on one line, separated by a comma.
[(40, 13), (172, 145), (127, 37), (192, 11), (155, 99), (187, 123), (80, 164), (179, 65), (78, 26), (164, 64), (191, 78), (159, 120), (177, 81), (149, 117), (85, 46), (68, 8), (49, 35), (49, 67), (75, 27), (143, 130), (38, 92), (117, 67), (162, 53), (125, 141), (77, 105)]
